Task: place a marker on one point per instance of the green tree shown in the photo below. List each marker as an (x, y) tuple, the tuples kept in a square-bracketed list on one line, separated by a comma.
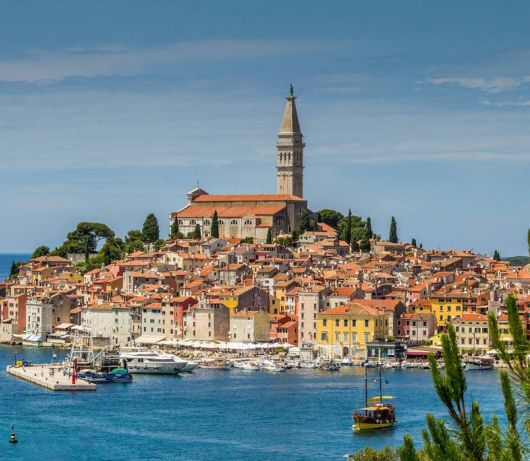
[(215, 225), (347, 232), (85, 239), (107, 257), (133, 241), (14, 270), (175, 231), (496, 256), (306, 223), (197, 232), (369, 233), (330, 217), (150, 229), (393, 237), (413, 242), (40, 251), (268, 241), (528, 240), (247, 240)]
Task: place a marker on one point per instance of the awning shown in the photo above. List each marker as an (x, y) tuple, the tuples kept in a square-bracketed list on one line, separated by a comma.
[(64, 326), (149, 339), (417, 353)]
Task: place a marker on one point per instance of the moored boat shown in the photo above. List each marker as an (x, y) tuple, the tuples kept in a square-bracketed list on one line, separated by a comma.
[(479, 363), (376, 414), (147, 361)]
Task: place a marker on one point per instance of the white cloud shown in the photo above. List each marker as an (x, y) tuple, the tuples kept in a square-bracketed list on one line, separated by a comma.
[(42, 65), (488, 85)]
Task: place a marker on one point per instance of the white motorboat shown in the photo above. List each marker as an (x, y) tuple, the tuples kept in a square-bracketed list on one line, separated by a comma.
[(248, 366), (147, 361), (189, 367), (269, 365)]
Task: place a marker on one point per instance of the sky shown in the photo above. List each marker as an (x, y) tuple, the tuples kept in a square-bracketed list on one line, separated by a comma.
[(110, 110)]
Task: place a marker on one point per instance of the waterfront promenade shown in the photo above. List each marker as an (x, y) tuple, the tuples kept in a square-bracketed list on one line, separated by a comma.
[(210, 414)]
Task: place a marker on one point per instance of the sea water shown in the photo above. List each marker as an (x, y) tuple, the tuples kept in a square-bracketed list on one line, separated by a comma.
[(215, 415), (6, 259)]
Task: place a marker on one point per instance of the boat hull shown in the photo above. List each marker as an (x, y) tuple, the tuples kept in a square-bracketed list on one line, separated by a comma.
[(363, 426)]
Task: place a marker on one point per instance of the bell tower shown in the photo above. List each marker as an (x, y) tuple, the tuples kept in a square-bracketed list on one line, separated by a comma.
[(290, 156)]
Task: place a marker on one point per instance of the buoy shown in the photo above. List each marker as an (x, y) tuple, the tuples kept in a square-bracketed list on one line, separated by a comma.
[(13, 437)]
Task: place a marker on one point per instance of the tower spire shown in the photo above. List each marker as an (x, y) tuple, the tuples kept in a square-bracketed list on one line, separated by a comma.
[(290, 161)]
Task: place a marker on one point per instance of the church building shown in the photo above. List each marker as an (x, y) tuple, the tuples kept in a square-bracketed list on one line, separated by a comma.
[(242, 215)]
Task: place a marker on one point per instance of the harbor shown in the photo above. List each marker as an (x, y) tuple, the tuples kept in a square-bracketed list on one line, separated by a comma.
[(217, 414), (49, 377)]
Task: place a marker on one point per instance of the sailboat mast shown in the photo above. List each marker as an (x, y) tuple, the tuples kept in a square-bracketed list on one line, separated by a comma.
[(365, 387), (380, 386)]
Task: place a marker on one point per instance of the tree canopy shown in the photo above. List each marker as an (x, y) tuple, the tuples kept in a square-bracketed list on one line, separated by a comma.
[(174, 232), (42, 250), (496, 255), (85, 239), (150, 229), (133, 241), (330, 217)]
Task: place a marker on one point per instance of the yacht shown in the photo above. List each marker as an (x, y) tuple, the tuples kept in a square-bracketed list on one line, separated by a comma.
[(147, 361), (269, 365)]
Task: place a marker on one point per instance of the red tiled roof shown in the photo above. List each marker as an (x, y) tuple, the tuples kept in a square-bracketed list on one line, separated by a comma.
[(223, 212)]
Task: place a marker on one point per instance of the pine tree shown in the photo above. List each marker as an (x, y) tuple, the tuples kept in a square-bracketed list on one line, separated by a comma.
[(528, 238), (215, 225), (174, 232), (150, 230), (496, 256), (347, 231), (269, 236), (393, 237), (197, 232), (413, 242)]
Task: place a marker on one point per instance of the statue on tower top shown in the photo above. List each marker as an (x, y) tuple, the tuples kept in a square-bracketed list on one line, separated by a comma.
[(291, 90)]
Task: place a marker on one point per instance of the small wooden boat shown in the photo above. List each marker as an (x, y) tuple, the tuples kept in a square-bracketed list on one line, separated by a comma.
[(376, 414)]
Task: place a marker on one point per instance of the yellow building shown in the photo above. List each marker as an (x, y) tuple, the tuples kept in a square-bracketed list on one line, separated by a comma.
[(344, 330), (447, 306)]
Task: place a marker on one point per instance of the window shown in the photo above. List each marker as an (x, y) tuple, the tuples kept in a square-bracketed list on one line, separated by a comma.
[(336, 322), (248, 222), (206, 222), (366, 323), (346, 337), (354, 323), (345, 322), (221, 222), (233, 222), (354, 337), (323, 337), (324, 322), (337, 337), (366, 337), (192, 222)]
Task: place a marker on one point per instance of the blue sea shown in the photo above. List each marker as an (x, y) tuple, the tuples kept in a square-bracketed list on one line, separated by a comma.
[(214, 415), (6, 259)]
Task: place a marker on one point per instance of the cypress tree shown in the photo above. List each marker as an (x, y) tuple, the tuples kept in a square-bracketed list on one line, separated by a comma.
[(175, 232), (197, 232), (107, 258), (413, 243), (215, 225), (150, 230), (496, 256), (269, 236), (369, 232), (347, 232), (528, 238), (14, 270), (393, 237)]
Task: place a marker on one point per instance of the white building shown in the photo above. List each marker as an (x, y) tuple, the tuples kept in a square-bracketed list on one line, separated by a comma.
[(117, 324), (39, 316)]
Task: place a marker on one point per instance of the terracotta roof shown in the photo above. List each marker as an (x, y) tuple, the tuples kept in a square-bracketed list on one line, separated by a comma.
[(224, 212), (248, 198)]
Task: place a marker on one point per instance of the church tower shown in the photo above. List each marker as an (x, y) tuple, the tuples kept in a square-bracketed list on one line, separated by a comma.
[(290, 157)]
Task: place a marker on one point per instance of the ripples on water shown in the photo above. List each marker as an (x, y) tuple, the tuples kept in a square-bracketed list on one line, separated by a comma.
[(214, 415)]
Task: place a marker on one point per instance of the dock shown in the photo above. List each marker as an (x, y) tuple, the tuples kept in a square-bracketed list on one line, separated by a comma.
[(49, 377)]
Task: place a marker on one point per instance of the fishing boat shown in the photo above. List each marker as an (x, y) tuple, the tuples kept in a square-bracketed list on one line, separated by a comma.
[(479, 363), (105, 367), (376, 414)]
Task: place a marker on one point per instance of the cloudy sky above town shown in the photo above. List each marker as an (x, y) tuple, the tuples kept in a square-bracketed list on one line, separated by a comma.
[(110, 110)]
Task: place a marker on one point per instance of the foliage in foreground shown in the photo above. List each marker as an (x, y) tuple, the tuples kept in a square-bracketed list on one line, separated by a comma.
[(466, 437)]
